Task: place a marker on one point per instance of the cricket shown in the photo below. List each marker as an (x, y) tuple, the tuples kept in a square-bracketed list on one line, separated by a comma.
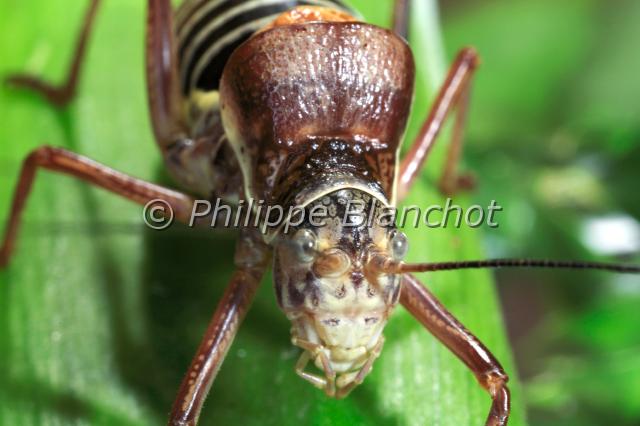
[(299, 104)]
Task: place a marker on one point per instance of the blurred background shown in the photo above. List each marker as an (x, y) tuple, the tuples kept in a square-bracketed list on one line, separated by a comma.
[(554, 135)]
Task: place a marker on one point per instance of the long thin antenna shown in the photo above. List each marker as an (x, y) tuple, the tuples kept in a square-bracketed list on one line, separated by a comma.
[(385, 264)]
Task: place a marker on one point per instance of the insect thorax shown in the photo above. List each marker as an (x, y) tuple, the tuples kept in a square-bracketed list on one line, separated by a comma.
[(289, 91)]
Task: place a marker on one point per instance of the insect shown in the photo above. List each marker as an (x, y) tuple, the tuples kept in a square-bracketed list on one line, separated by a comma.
[(356, 145)]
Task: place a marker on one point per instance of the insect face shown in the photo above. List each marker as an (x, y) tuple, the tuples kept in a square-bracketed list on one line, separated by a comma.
[(337, 305)]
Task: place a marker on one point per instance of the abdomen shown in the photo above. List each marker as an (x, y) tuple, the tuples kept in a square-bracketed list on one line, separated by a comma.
[(208, 31)]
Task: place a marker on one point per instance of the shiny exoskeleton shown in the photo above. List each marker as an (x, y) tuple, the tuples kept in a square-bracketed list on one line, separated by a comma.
[(297, 104), (325, 129)]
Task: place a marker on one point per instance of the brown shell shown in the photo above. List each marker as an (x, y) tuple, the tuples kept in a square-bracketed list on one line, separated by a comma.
[(335, 94), (306, 14)]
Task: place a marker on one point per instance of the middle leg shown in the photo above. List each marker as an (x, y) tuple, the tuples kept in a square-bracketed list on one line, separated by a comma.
[(454, 93), (62, 161)]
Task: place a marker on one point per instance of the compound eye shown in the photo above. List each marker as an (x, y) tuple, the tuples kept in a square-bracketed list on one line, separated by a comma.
[(399, 245), (305, 245)]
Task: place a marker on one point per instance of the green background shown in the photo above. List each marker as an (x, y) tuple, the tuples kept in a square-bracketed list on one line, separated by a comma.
[(554, 136)]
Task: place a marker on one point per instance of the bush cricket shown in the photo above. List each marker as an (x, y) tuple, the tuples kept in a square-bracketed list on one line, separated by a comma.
[(294, 103)]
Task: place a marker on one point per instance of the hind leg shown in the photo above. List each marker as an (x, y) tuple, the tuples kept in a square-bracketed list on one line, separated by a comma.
[(61, 94), (195, 150), (400, 23)]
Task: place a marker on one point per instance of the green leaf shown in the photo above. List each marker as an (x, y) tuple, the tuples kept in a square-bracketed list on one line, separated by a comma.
[(99, 316)]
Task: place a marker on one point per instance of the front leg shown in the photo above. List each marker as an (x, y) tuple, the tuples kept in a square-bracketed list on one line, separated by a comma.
[(251, 259), (424, 306)]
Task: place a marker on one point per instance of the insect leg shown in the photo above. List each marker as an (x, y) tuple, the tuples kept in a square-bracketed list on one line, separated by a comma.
[(401, 18), (453, 93), (163, 82), (251, 258), (66, 162), (191, 150), (61, 95), (424, 306)]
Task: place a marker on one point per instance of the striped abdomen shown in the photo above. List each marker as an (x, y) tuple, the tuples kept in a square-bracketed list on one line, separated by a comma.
[(208, 31)]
